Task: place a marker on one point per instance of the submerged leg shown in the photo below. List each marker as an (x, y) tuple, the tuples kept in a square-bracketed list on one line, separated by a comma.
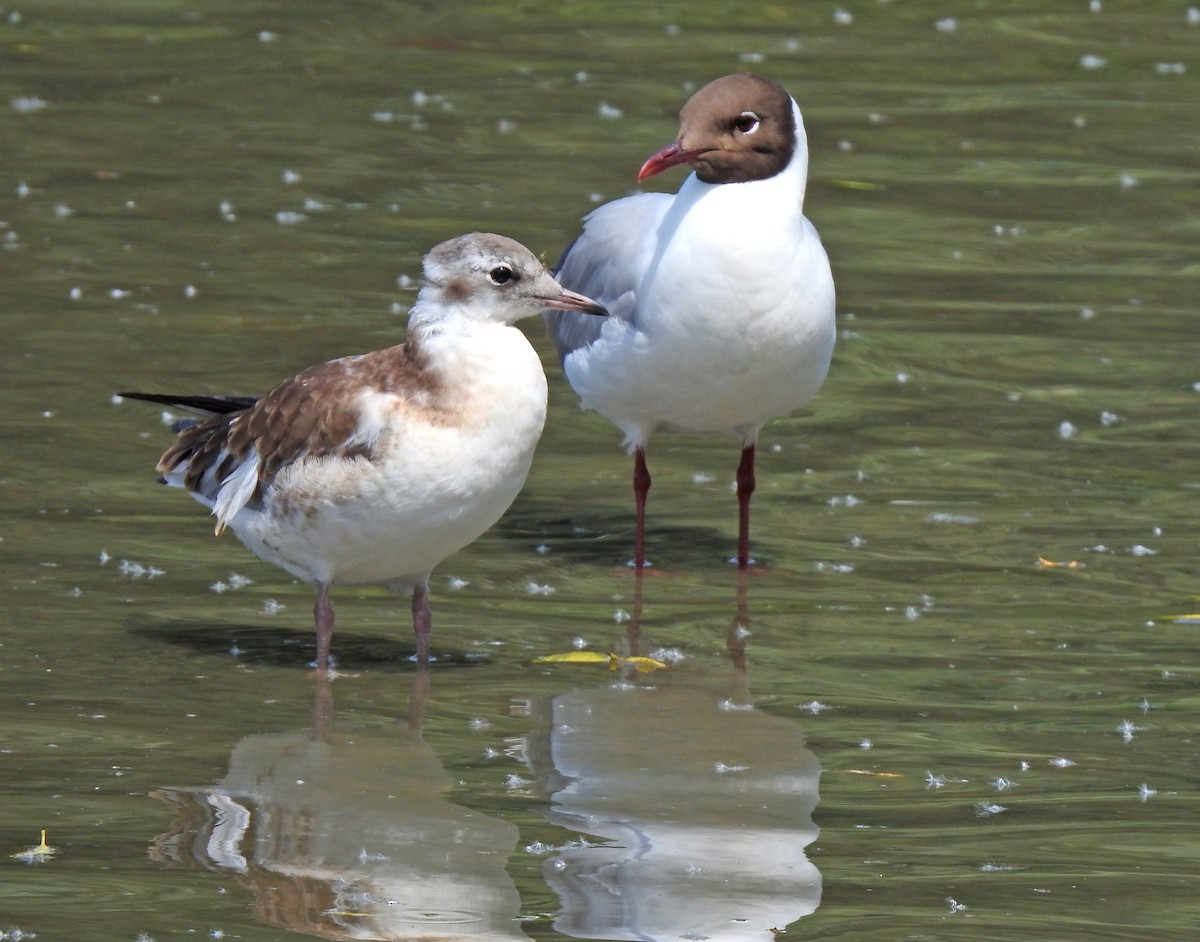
[(745, 487), (641, 487), (323, 619), (422, 620)]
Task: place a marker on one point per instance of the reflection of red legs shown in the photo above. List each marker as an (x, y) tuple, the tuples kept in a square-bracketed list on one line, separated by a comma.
[(323, 619), (641, 487), (417, 698), (745, 487), (422, 620), (739, 628)]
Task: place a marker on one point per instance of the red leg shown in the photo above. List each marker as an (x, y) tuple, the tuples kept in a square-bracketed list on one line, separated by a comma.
[(422, 621), (323, 619), (641, 487), (745, 487)]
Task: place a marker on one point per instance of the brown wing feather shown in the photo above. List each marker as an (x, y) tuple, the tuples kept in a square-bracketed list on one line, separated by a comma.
[(311, 414)]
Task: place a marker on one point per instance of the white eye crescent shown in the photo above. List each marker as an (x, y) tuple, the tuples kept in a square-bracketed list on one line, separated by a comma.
[(747, 122)]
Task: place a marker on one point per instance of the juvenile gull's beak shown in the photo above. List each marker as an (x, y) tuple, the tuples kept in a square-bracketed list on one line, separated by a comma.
[(571, 301)]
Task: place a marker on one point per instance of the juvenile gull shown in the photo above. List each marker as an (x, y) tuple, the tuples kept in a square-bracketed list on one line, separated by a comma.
[(374, 468), (721, 296)]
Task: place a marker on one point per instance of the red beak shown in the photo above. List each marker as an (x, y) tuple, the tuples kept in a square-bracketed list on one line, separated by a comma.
[(670, 156)]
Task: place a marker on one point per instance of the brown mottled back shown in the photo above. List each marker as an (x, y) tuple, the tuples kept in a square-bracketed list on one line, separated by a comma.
[(289, 423)]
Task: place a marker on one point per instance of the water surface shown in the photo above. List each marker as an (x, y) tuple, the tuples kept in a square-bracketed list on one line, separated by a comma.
[(959, 685)]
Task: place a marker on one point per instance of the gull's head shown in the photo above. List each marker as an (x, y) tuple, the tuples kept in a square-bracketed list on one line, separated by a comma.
[(490, 277), (735, 129)]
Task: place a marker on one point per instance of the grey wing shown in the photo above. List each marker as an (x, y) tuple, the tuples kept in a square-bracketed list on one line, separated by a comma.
[(607, 262)]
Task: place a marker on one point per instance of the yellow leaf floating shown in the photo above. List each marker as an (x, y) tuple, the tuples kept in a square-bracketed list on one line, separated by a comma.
[(857, 185), (643, 665), (37, 854), (1044, 563), (871, 774)]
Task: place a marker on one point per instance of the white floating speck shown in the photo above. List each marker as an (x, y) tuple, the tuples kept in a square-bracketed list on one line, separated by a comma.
[(478, 723), (813, 706), (847, 500), (226, 210), (266, 36), (75, 293), (290, 177), (581, 77), (1059, 762), (505, 126), (943, 517), (1139, 550), (1002, 784), (985, 808), (839, 568), (219, 587), (541, 549), (578, 643), (1193, 16), (865, 744), (315, 206), (190, 291), (534, 588), (513, 782), (238, 582), (1127, 729), (1170, 68), (732, 706), (843, 17), (1128, 181), (1086, 313), (946, 25), (620, 616), (28, 104), (271, 607), (752, 57), (671, 29), (1066, 430), (701, 478), (62, 211), (954, 905), (1094, 6), (288, 217), (667, 655), (454, 583), (104, 557), (605, 110), (721, 768), (22, 189), (1145, 792), (1109, 418)]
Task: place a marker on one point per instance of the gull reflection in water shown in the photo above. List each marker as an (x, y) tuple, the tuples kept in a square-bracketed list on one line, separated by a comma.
[(348, 835), (701, 804)]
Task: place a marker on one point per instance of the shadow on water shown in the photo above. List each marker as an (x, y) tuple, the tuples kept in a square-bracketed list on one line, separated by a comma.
[(685, 813), (295, 648)]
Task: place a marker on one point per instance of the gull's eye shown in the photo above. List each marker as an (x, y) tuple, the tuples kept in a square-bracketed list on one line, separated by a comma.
[(747, 122), (502, 275)]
